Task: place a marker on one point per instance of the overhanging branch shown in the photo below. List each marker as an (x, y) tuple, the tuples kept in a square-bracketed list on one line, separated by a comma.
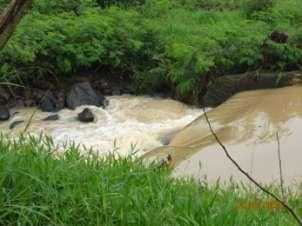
[(10, 18)]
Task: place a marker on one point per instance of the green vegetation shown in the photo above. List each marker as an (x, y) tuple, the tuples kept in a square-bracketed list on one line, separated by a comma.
[(180, 42), (38, 187)]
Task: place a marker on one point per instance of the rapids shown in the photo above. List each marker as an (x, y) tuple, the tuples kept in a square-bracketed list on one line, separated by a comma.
[(129, 123), (247, 123)]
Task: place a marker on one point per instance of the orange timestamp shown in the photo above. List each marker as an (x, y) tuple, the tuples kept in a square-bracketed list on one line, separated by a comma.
[(270, 205)]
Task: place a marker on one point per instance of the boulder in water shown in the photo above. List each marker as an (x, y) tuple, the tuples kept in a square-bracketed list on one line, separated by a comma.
[(86, 116), (4, 113), (4, 96), (50, 103), (51, 118), (83, 94)]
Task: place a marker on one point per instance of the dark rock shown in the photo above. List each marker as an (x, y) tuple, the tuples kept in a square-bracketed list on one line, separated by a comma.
[(4, 113), (29, 103), (51, 118), (15, 123), (127, 89), (103, 86), (17, 103), (83, 94), (86, 116), (116, 91), (279, 37), (47, 103), (4, 95), (44, 85), (50, 102), (160, 87), (61, 97)]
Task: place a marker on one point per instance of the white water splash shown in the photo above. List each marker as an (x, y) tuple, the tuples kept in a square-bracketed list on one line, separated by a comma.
[(129, 122)]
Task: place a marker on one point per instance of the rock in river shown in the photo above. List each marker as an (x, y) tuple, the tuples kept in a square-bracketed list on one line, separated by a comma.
[(86, 116), (50, 102), (83, 94), (52, 118), (4, 113)]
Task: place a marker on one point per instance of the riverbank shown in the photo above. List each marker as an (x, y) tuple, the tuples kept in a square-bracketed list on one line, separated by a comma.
[(90, 88), (176, 46), (73, 190)]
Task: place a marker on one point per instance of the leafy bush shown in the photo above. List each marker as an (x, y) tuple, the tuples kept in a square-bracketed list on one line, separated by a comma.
[(61, 6), (256, 6), (64, 44), (3, 4), (178, 41), (121, 3)]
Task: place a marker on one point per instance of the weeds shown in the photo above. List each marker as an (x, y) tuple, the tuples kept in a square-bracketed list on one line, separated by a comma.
[(71, 189)]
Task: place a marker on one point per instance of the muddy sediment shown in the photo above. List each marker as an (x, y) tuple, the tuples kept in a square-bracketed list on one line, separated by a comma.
[(247, 124)]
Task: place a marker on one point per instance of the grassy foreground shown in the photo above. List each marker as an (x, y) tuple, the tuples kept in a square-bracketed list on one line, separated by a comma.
[(37, 188)]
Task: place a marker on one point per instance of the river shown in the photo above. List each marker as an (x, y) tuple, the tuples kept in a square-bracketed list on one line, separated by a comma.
[(247, 123), (129, 123)]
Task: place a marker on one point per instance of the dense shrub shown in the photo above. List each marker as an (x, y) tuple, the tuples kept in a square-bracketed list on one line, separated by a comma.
[(63, 44), (177, 41), (3, 3), (121, 3), (254, 6)]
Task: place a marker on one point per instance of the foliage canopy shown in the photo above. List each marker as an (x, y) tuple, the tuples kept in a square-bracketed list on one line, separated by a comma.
[(181, 42)]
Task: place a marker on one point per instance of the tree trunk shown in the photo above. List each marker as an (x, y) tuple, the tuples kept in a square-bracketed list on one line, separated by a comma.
[(10, 18)]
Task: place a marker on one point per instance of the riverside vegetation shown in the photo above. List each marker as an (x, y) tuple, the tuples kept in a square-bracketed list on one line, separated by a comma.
[(182, 43), (70, 189)]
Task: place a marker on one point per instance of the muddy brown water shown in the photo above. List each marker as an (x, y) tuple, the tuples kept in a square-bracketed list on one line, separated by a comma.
[(247, 124)]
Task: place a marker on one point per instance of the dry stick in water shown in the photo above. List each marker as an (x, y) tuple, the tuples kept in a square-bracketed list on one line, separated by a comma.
[(283, 203), (280, 167)]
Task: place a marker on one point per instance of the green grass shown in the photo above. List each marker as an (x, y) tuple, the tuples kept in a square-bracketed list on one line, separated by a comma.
[(37, 188)]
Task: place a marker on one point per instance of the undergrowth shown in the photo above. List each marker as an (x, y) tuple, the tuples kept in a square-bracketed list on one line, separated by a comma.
[(40, 187), (178, 42)]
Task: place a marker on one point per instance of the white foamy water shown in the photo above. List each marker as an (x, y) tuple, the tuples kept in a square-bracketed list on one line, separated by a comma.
[(129, 122)]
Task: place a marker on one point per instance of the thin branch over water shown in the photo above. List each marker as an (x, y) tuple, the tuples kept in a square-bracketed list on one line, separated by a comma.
[(280, 167), (247, 175)]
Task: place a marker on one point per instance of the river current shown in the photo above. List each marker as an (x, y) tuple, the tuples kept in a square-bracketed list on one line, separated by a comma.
[(250, 124)]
